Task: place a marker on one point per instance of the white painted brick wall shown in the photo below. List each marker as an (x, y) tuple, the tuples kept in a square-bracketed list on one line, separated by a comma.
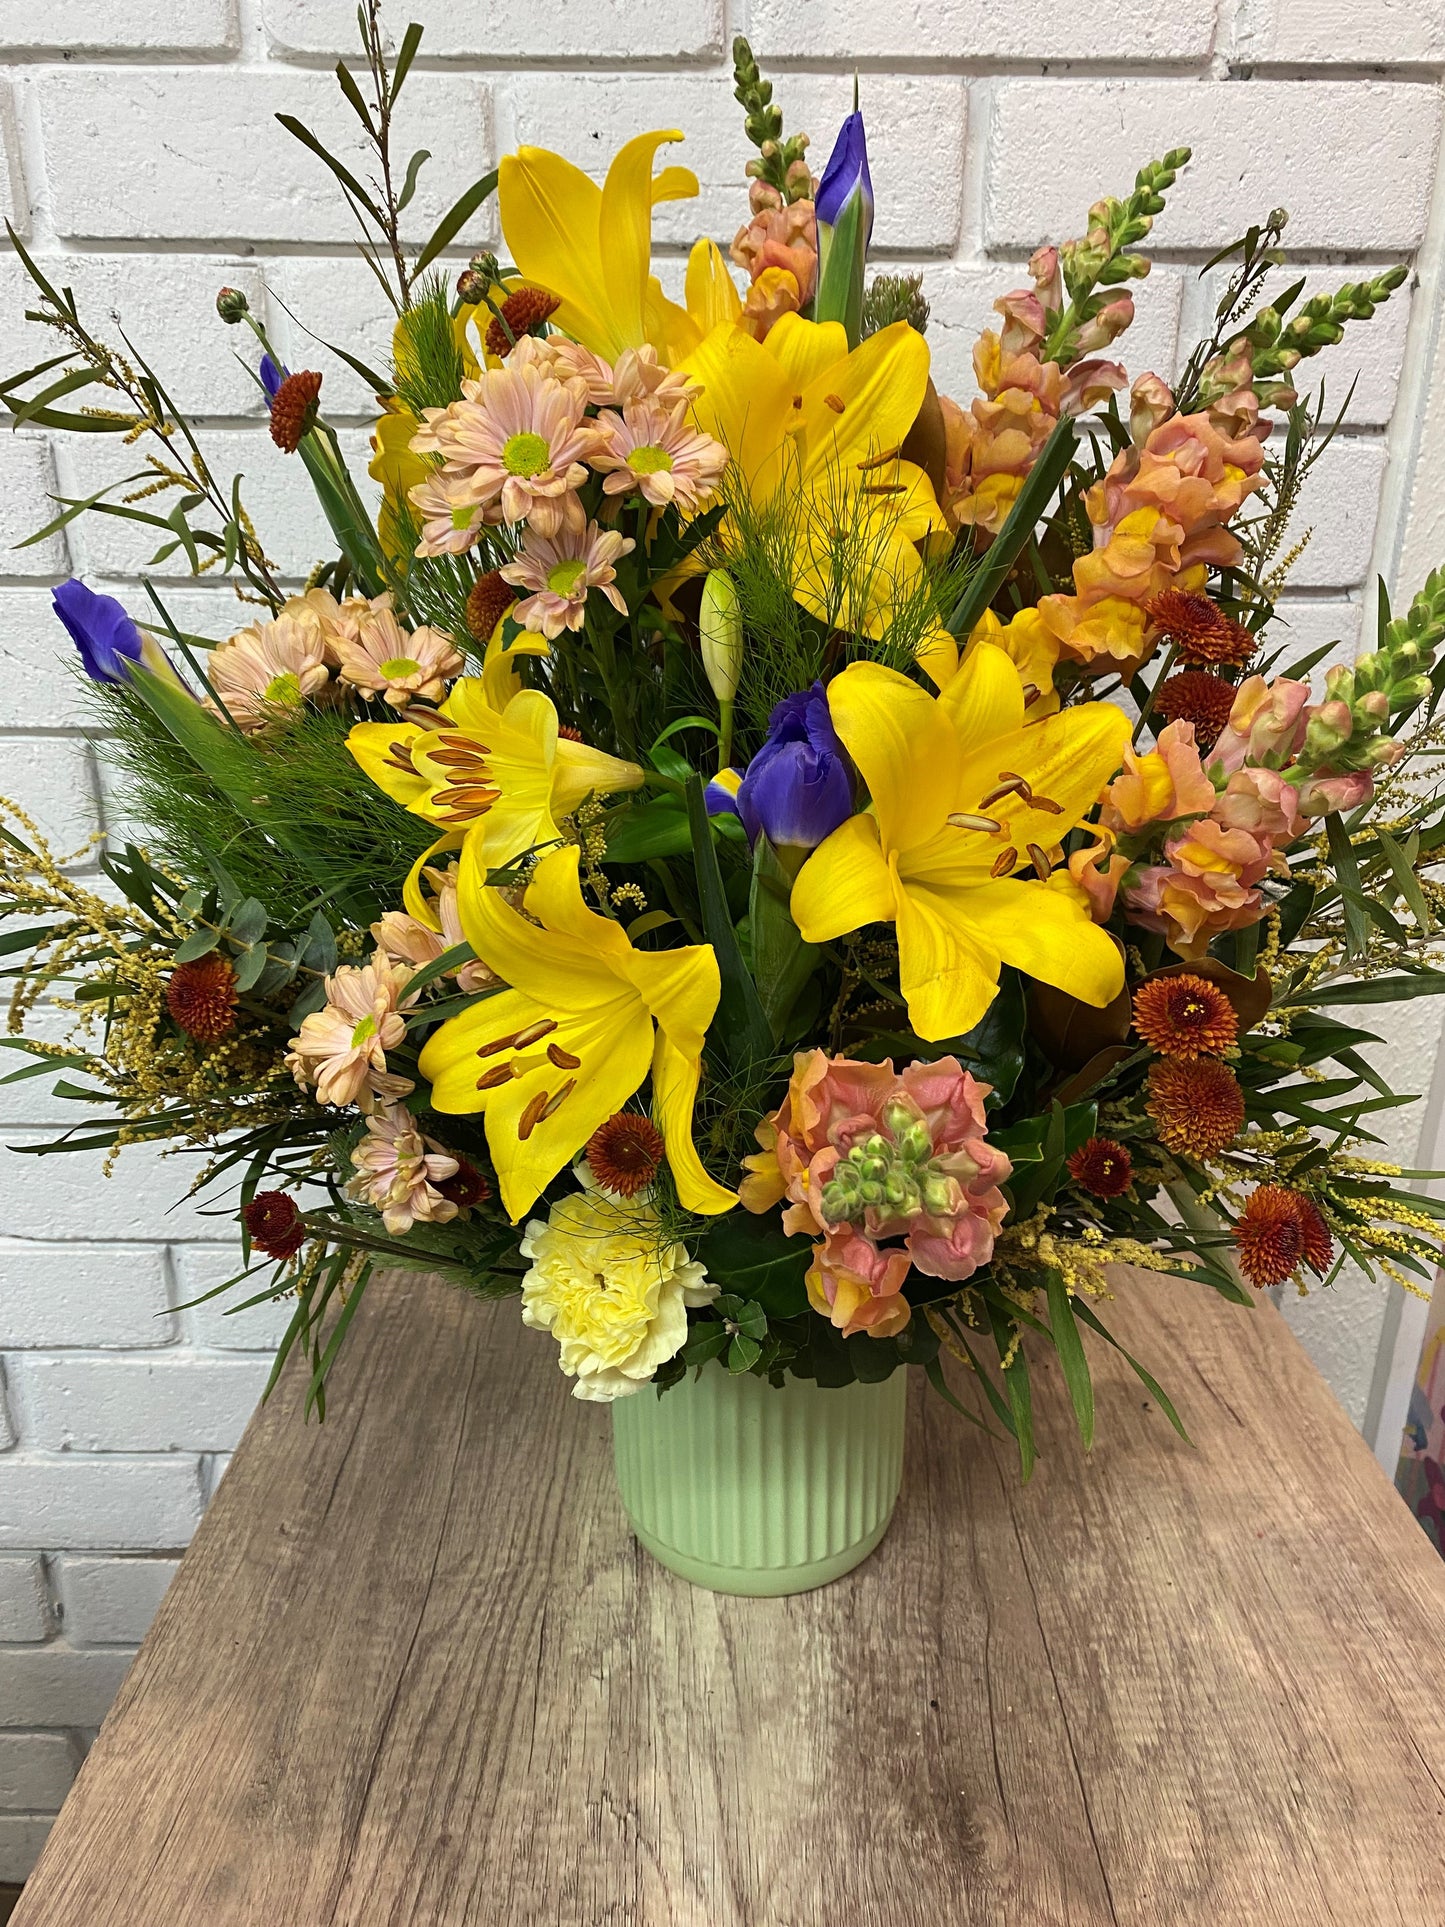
[(138, 155)]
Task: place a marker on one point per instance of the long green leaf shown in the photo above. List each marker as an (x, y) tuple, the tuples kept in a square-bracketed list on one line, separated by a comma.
[(456, 217), (1016, 1385), (1146, 1379), (741, 1025), (1034, 497), (1070, 1348), (343, 174), (1370, 990)]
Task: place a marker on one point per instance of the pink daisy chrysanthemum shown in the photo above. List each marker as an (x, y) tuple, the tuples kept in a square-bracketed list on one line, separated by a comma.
[(559, 571), (398, 1172), (451, 520), (652, 447), (341, 1048), (396, 664), (519, 439)]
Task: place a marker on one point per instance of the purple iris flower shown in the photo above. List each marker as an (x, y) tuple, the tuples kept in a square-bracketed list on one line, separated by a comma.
[(846, 175), (799, 786), (100, 629), (272, 376)]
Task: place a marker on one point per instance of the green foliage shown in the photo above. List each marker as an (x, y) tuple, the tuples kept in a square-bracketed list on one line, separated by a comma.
[(780, 162), (301, 780), (895, 297)]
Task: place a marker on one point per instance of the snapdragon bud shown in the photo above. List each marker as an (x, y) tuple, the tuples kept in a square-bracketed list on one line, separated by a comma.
[(1374, 706), (720, 625)]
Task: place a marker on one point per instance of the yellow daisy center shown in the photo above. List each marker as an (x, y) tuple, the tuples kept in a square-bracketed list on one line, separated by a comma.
[(285, 688), (650, 459), (462, 517), (364, 1030), (526, 455), (563, 577), (400, 666)]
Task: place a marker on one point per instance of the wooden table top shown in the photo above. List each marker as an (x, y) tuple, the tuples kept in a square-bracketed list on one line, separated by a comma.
[(415, 1671)]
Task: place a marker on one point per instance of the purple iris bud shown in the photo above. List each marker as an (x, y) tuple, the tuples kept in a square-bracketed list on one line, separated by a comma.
[(799, 786), (721, 794), (100, 629), (846, 175), (272, 376)]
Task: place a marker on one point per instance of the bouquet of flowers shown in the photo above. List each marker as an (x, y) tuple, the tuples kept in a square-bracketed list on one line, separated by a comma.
[(788, 872)]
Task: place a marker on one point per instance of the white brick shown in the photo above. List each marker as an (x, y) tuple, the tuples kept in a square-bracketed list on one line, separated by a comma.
[(106, 1504), (121, 26), (1255, 144), (96, 1296), (111, 1602), (1006, 29), (21, 1838), (213, 1470), (961, 299), (180, 1403), (1339, 504), (36, 1770), (7, 1423), (200, 1268), (192, 153), (1374, 33), (31, 1100), (917, 172), (54, 1686), (1371, 354), (52, 778), (1304, 624), (24, 1608), (275, 489), (14, 196), (166, 305), (608, 30), (27, 481), (37, 655), (63, 1196), (339, 300)]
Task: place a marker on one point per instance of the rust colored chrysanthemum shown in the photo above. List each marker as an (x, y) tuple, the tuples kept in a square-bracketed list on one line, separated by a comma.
[(293, 408), (1279, 1231), (523, 310), (275, 1225), (1200, 629), (201, 997), (465, 1187), (1102, 1167), (488, 602), (625, 1154), (1185, 1016), (1194, 696), (1196, 1103)]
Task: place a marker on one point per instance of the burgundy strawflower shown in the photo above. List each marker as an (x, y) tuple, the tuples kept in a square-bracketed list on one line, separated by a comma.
[(1195, 696), (523, 310), (1279, 1231), (275, 1225), (1185, 1016), (293, 409), (201, 998), (1200, 629), (465, 1187), (488, 602), (625, 1154), (1102, 1167)]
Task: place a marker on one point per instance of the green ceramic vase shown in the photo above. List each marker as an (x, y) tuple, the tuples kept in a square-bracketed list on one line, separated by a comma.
[(742, 1487)]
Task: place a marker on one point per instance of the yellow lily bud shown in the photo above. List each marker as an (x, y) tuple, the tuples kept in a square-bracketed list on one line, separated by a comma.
[(721, 625)]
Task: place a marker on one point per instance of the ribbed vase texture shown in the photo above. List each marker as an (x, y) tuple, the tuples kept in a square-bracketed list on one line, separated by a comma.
[(746, 1488)]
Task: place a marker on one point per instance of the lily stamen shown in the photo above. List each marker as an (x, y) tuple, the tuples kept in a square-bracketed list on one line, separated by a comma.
[(883, 488), (1005, 861), (1043, 869), (563, 1059), (555, 1102), (835, 402), (531, 1117), (1047, 805), (1020, 783), (498, 1074), (531, 1033), (1014, 786), (877, 461), (967, 820)]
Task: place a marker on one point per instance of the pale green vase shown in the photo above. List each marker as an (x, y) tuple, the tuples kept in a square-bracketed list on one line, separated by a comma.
[(743, 1487)]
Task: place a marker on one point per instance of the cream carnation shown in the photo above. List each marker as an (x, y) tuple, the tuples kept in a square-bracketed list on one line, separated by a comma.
[(611, 1293)]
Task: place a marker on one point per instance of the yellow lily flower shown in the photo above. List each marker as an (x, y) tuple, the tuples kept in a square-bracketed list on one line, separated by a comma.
[(1033, 649), (546, 1064), (592, 246), (496, 768), (964, 793), (800, 412)]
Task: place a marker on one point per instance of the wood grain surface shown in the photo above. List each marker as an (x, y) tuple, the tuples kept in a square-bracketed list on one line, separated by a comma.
[(415, 1672)]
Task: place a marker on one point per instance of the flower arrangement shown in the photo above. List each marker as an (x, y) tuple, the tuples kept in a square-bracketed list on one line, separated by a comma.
[(769, 863)]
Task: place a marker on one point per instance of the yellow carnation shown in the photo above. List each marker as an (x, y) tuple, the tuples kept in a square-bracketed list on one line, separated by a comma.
[(612, 1294)]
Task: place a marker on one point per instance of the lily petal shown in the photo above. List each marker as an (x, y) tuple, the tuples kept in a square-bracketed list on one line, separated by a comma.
[(674, 1092), (625, 231), (376, 745), (1048, 934), (844, 884), (712, 298), (903, 745), (947, 968)]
